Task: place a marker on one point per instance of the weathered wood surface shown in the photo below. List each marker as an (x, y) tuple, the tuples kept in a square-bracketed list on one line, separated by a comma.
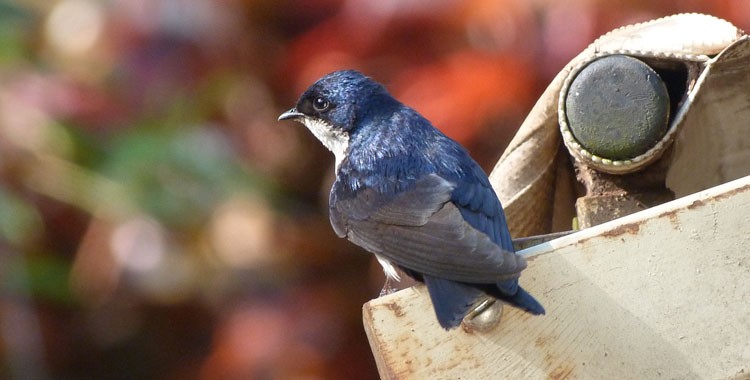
[(660, 294)]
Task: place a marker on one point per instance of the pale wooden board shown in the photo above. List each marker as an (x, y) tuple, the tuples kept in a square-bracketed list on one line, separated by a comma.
[(660, 294)]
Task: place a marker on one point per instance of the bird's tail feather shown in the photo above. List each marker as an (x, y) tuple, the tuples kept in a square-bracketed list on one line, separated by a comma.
[(451, 300), (523, 300), (515, 295)]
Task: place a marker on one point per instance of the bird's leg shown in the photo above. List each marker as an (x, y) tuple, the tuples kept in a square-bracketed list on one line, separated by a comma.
[(387, 288), (391, 273)]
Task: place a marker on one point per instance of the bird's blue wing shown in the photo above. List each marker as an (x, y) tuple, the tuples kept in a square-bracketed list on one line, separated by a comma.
[(422, 230), (481, 208)]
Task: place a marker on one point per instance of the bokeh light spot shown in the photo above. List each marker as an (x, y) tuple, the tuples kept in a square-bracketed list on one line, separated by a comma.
[(74, 26), (241, 233), (139, 244)]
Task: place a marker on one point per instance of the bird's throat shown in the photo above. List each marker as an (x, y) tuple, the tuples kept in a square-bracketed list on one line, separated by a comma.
[(335, 140)]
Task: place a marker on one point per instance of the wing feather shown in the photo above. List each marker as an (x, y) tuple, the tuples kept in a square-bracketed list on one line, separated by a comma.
[(423, 230)]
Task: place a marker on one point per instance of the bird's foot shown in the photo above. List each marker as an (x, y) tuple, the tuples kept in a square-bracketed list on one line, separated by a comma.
[(387, 288)]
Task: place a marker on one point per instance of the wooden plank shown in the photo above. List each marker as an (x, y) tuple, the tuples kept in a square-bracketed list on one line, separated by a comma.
[(663, 293)]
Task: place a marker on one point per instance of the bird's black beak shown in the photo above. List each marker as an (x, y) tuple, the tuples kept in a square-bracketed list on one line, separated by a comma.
[(291, 114)]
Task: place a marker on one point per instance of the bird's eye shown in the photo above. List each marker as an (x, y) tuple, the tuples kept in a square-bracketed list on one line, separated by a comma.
[(320, 104)]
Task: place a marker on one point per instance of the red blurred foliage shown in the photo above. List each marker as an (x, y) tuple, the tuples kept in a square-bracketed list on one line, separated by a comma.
[(462, 92)]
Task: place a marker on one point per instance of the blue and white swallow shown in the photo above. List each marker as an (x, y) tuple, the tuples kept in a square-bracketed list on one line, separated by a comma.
[(413, 197)]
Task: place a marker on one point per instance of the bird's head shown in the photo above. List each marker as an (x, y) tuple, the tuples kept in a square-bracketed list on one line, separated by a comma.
[(331, 107)]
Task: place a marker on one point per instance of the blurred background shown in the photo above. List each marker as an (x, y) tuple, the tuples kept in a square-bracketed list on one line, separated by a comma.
[(157, 222)]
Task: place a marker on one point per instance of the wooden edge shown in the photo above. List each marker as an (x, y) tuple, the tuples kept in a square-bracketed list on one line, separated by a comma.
[(660, 293)]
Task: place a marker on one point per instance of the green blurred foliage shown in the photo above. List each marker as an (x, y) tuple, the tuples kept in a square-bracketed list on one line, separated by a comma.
[(21, 222), (44, 277), (162, 174), (15, 24)]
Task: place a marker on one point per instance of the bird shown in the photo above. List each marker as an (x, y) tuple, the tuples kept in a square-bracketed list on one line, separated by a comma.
[(413, 197)]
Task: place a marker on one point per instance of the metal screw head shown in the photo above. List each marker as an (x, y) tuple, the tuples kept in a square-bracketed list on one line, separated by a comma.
[(485, 316)]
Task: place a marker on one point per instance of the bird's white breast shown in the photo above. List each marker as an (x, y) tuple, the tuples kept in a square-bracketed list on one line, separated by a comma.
[(335, 140)]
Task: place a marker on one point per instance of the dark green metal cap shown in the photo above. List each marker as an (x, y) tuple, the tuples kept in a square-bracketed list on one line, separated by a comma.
[(617, 107)]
